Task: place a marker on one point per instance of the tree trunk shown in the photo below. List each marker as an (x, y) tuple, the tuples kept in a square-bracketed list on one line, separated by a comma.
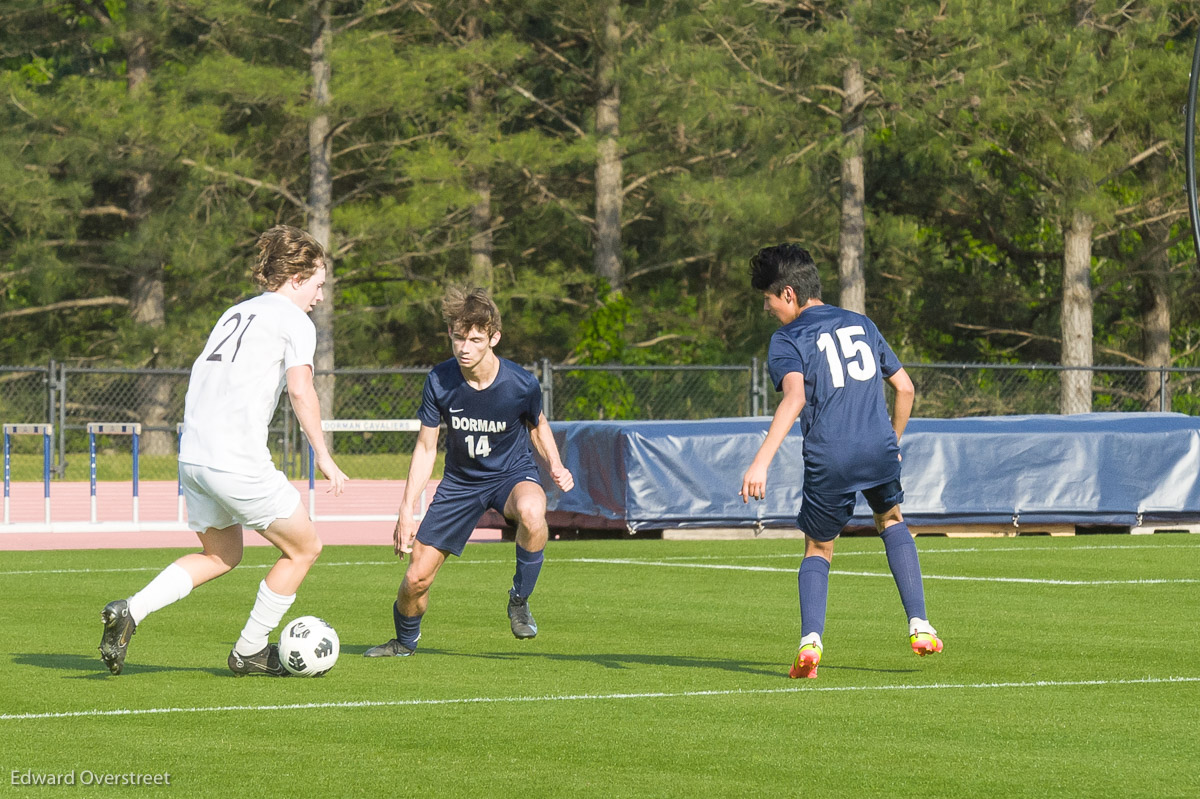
[(852, 246), (1077, 315), (320, 204), (1156, 318), (481, 239), (147, 299), (481, 212), (1076, 396), (608, 160)]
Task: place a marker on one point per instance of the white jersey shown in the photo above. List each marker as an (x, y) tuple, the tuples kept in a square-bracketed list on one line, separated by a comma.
[(236, 382)]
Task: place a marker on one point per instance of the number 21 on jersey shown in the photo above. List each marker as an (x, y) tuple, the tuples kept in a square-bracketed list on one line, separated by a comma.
[(847, 356), (236, 321)]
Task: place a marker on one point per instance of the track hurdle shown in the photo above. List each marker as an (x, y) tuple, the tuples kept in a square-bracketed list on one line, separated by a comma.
[(357, 426), (47, 433), (113, 429)]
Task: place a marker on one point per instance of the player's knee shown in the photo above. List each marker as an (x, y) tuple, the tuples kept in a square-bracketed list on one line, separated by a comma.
[(531, 512), (415, 585), (887, 518), (814, 547), (224, 560), (305, 551), (311, 549)]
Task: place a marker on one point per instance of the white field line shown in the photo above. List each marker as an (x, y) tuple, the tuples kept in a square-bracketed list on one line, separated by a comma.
[(731, 567), (690, 561), (947, 550), (1036, 581), (494, 700), (161, 567)]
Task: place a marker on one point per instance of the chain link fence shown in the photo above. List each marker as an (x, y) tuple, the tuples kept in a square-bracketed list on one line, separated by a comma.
[(972, 389), (573, 393), (24, 398), (71, 397)]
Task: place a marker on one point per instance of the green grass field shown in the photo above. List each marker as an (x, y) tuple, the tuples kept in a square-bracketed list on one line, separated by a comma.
[(660, 671)]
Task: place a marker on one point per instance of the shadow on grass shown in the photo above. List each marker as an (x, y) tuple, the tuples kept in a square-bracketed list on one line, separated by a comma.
[(358, 649), (825, 668), (73, 662), (616, 661), (625, 661)]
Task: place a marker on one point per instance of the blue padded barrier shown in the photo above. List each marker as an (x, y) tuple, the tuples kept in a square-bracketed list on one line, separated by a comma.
[(1099, 468)]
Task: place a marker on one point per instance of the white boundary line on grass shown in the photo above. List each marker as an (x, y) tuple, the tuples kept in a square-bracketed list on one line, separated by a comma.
[(773, 556), (731, 567), (948, 550), (492, 700), (682, 562), (246, 566), (1034, 580)]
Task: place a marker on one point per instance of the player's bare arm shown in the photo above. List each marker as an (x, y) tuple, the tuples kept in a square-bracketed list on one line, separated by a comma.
[(903, 405), (307, 407), (419, 471), (754, 482), (547, 449)]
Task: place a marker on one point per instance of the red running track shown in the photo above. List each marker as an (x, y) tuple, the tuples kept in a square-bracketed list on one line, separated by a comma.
[(158, 502)]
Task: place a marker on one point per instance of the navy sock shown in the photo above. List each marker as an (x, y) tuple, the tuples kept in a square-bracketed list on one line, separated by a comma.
[(408, 628), (529, 566), (906, 568), (813, 581)]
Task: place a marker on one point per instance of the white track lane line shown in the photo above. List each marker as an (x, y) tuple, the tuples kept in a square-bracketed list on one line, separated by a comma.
[(495, 700)]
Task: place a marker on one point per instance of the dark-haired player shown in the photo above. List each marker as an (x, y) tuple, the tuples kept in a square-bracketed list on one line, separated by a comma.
[(830, 364)]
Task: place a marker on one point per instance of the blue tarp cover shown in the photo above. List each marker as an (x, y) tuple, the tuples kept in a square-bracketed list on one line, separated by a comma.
[(1098, 468)]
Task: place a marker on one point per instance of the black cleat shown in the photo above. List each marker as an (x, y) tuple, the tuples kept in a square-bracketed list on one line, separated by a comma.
[(392, 649), (519, 617), (118, 629), (265, 662)]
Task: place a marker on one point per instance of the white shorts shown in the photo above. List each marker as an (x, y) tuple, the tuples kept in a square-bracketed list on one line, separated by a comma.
[(217, 499)]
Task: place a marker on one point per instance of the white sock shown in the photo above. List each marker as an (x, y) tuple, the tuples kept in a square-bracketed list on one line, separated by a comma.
[(268, 611), (916, 625), (171, 585), (812, 638)]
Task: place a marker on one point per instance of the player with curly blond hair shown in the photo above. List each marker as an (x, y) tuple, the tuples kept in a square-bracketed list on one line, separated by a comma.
[(228, 479)]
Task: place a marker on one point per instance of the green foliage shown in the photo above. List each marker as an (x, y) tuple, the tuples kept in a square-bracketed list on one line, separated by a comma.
[(731, 137), (602, 340)]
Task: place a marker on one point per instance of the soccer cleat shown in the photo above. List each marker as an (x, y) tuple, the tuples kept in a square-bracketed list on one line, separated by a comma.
[(519, 617), (119, 627), (392, 649), (808, 657), (265, 662), (925, 643)]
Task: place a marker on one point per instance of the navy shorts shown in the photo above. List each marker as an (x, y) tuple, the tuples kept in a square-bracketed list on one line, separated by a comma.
[(457, 508), (823, 516)]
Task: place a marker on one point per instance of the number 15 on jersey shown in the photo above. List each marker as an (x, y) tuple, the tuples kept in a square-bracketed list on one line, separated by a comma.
[(847, 356)]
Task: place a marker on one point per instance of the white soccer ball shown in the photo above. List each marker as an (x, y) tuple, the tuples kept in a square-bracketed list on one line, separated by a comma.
[(308, 647)]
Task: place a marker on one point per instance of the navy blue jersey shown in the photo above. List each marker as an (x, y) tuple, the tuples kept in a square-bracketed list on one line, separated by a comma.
[(849, 443), (486, 431)]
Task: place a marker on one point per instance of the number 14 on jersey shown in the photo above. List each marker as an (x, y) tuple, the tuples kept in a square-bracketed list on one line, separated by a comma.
[(478, 446)]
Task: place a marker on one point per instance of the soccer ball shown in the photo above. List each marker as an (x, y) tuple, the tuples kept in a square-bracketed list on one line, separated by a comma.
[(308, 647)]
